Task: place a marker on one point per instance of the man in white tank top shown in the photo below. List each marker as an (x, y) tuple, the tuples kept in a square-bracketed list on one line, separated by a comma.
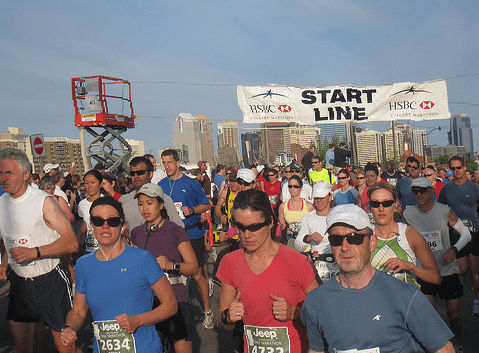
[(35, 233)]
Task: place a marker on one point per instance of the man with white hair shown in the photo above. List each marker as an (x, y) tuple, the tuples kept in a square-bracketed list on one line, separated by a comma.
[(35, 233), (365, 310)]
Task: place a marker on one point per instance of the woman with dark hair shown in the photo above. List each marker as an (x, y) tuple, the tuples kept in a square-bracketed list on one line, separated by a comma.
[(264, 284), (93, 181), (117, 283), (111, 186), (371, 173), (400, 250), (171, 247), (291, 211), (346, 194)]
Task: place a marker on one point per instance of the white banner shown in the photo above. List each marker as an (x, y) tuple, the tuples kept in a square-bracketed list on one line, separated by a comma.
[(339, 104)]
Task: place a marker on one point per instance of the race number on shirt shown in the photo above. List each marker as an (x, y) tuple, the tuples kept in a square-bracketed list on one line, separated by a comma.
[(267, 339), (178, 206), (111, 338), (433, 239)]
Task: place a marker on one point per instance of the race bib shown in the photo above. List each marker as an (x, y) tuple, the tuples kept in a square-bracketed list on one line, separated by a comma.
[(273, 199), (91, 244), (178, 206), (326, 269), (294, 227), (433, 239), (111, 338), (267, 339), (23, 241)]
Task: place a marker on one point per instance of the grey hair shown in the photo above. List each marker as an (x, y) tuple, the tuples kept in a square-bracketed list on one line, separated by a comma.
[(46, 181), (19, 156)]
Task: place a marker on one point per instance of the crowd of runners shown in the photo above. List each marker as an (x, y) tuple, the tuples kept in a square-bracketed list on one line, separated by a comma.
[(316, 256)]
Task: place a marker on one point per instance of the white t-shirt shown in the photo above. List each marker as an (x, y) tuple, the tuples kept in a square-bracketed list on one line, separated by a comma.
[(22, 224), (311, 223), (158, 175), (305, 194)]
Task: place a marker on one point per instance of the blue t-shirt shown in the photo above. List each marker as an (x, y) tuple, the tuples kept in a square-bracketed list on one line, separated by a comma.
[(388, 314), (342, 198), (121, 285), (404, 192), (329, 157), (189, 193), (463, 199), (1, 191), (218, 181)]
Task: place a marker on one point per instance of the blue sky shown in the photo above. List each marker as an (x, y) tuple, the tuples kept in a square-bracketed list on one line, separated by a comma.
[(301, 43)]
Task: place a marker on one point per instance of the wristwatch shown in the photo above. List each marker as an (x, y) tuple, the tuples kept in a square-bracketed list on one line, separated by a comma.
[(224, 317), (176, 266), (192, 211)]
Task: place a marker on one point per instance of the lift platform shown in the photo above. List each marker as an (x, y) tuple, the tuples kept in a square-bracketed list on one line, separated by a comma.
[(95, 99)]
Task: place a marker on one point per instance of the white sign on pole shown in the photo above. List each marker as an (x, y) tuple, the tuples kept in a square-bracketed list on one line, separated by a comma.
[(340, 104), (38, 145)]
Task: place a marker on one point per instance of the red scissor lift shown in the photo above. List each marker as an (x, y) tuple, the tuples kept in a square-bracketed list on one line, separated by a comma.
[(93, 99)]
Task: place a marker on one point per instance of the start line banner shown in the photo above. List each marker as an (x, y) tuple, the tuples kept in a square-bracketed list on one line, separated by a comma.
[(339, 104)]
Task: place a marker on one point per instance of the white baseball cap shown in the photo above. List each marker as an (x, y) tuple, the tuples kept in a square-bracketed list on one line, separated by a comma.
[(321, 189), (349, 214), (246, 174), (49, 167), (151, 190)]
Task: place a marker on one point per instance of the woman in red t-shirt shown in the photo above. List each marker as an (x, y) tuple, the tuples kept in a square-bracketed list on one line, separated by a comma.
[(265, 284)]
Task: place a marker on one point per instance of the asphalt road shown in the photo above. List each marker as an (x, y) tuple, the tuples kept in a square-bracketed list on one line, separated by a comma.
[(220, 341)]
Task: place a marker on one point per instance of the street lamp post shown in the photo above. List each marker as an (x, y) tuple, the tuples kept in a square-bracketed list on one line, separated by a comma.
[(425, 155)]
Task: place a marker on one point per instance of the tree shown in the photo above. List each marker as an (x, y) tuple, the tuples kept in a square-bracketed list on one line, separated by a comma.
[(442, 159)]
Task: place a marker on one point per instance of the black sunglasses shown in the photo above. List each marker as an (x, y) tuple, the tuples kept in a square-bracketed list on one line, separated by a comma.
[(287, 171), (112, 221), (412, 167), (428, 175), (342, 178), (294, 186), (455, 168), (416, 191), (137, 172), (252, 227), (360, 178), (376, 204), (352, 238), (242, 182)]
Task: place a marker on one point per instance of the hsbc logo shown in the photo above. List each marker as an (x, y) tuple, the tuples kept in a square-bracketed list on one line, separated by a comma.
[(23, 241), (284, 108), (272, 109), (426, 105)]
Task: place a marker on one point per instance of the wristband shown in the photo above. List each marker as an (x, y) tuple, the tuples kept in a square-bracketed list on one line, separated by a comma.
[(39, 254), (66, 326), (224, 317)]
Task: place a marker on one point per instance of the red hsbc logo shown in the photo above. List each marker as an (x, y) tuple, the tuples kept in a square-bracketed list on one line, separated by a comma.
[(23, 241), (426, 105), (435, 234), (284, 108)]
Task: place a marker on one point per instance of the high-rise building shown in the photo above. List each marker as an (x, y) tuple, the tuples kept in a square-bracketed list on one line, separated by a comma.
[(328, 131), (251, 147), (272, 140), (419, 141), (298, 139), (193, 136), (137, 147), (369, 147), (460, 133), (228, 137), (388, 144)]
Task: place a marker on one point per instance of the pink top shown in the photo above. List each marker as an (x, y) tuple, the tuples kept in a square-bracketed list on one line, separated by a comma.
[(288, 275)]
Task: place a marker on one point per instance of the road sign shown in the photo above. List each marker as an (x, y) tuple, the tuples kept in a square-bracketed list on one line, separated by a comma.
[(38, 146)]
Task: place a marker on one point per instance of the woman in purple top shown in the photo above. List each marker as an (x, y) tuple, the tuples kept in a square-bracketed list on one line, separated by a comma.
[(170, 245)]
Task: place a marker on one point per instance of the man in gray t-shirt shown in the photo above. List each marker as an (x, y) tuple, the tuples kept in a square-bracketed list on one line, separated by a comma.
[(462, 195)]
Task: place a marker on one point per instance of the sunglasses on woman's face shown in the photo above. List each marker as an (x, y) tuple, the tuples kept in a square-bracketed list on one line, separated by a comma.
[(294, 186), (112, 221), (252, 227), (242, 182), (385, 204)]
